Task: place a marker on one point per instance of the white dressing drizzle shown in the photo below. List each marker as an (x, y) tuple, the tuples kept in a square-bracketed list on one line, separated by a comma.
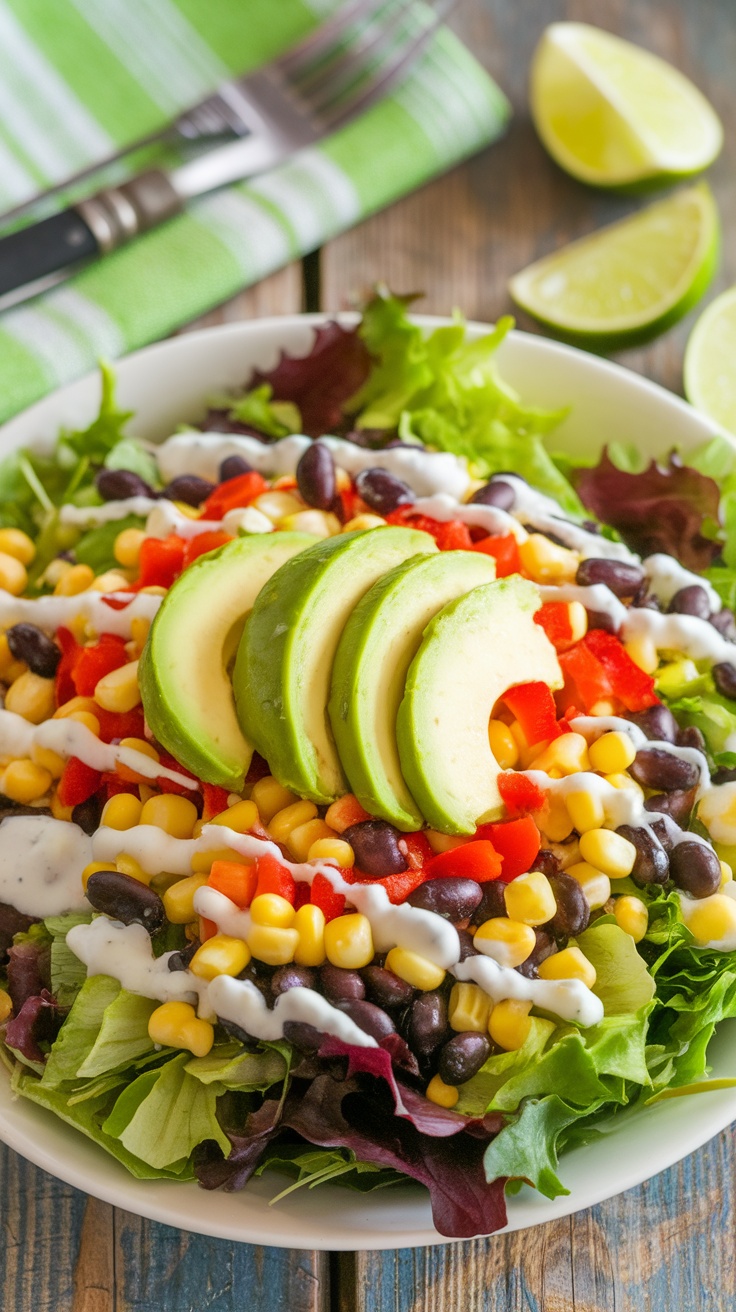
[(666, 576), (51, 613), (569, 999), (41, 864), (594, 596), (240, 1002), (93, 516)]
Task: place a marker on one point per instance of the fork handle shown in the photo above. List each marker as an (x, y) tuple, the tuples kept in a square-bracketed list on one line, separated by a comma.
[(93, 227)]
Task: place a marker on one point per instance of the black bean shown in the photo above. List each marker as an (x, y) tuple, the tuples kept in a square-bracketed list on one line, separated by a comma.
[(622, 579), (467, 946), (367, 1016), (691, 736), (695, 868), (645, 601), (544, 947), (32, 645), (119, 484), (385, 988), (661, 828), (126, 899), (382, 491), (233, 467), (9, 808), (655, 767), (546, 862), (315, 476), (426, 1023), (725, 622), (692, 600), (303, 1035), (189, 488), (677, 805), (339, 984), (462, 1057), (492, 903), (376, 847), (454, 898), (656, 722), (723, 775), (496, 493), (651, 865), (600, 619), (87, 814), (292, 977), (573, 912), (724, 676), (180, 960)]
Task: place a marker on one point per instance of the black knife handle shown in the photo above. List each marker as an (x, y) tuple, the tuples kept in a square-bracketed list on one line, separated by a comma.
[(93, 227)]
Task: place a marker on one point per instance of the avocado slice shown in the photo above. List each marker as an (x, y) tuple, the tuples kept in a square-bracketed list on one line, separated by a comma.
[(284, 662), (375, 651), (184, 670), (472, 652)]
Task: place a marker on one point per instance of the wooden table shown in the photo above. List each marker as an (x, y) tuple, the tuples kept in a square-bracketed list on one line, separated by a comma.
[(668, 1244)]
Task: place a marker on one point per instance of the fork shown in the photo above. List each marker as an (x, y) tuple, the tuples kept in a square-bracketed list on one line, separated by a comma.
[(336, 73)]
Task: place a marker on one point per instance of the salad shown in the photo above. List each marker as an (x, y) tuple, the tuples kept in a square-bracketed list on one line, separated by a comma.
[(367, 778)]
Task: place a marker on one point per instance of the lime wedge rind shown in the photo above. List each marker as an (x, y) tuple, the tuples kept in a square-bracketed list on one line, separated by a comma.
[(710, 362)]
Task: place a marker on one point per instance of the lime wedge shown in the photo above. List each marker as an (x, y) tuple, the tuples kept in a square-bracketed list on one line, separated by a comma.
[(614, 115), (710, 362), (629, 281)]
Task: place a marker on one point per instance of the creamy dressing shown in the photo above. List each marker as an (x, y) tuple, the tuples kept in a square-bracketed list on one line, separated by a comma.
[(240, 1002), (69, 737), (682, 633), (52, 613), (41, 864), (666, 576), (569, 999), (593, 596), (93, 516), (533, 507)]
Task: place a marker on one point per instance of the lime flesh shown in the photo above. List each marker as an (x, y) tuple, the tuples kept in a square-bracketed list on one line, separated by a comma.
[(710, 362), (628, 281), (614, 115)]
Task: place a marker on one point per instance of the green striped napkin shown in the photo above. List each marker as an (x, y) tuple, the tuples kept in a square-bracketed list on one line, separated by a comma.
[(79, 78)]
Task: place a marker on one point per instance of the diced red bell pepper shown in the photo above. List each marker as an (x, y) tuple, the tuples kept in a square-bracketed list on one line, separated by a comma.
[(169, 785), (323, 895), (416, 850), (70, 650), (274, 878), (233, 494), (517, 843), (398, 887), (584, 671), (505, 549), (203, 543), (534, 707), (161, 561), (207, 929), (234, 880), (629, 683), (519, 793), (77, 783), (302, 894), (94, 662), (113, 784), (450, 535), (346, 811), (120, 724), (476, 860), (258, 769), (215, 800), (554, 618)]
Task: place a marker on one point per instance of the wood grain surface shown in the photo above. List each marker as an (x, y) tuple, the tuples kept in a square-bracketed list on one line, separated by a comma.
[(667, 1245)]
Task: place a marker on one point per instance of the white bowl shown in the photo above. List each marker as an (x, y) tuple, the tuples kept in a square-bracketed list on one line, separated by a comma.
[(165, 384)]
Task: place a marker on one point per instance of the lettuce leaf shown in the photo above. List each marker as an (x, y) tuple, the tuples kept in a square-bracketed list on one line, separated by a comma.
[(95, 547), (527, 1148), (319, 383), (165, 1114), (315, 1166), (233, 1068), (700, 705), (623, 982), (79, 1032), (106, 1030), (97, 440)]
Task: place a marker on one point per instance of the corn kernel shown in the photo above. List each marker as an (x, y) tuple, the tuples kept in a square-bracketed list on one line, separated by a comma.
[(643, 652), (281, 824), (241, 817), (77, 579), (270, 796), (320, 523), (712, 919), (32, 697), (555, 822), (14, 542), (726, 874), (444, 1095), (332, 849), (202, 861), (220, 955), (118, 690), (47, 760), (154, 590), (58, 811), (122, 811), (443, 842), (277, 505), (578, 617), (586, 810), (55, 571), (127, 547), (139, 629), (176, 1025), (146, 749), (10, 668), (603, 707), (88, 719), (612, 753), (568, 964), (595, 885), (73, 705), (529, 898), (23, 781), (273, 910), (568, 754), (277, 947), (349, 942), (416, 970), (546, 562), (632, 916), (522, 746), (179, 899), (309, 922), (6, 1005), (111, 581), (129, 865), (13, 575), (503, 744), (93, 868), (303, 837), (361, 523), (469, 1008), (510, 1023), (622, 780), (609, 852), (175, 815), (509, 942)]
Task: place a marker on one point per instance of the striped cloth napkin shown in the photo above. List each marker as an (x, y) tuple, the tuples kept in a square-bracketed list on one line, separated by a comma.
[(80, 78)]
